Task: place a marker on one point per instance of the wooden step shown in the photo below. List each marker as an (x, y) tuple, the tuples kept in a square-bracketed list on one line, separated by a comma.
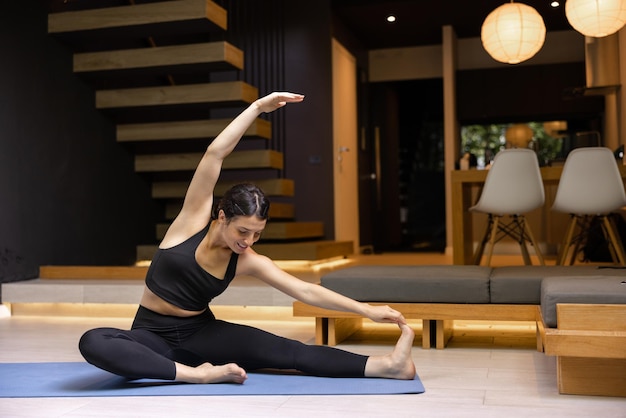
[(218, 94), (177, 189), (254, 159), (274, 230), (146, 252), (278, 210), (93, 272), (200, 57), (293, 230), (144, 19), (308, 250), (193, 129)]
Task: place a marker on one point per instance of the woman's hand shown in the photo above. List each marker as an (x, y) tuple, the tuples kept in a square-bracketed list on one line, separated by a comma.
[(383, 313), (277, 100)]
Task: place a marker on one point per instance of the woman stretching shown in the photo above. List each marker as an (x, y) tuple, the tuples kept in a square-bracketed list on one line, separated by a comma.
[(175, 336)]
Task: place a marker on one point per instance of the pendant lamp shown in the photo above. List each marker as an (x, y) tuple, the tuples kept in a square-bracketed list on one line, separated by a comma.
[(513, 32), (596, 18)]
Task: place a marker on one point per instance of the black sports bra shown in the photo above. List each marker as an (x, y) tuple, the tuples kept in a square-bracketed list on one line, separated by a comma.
[(175, 276)]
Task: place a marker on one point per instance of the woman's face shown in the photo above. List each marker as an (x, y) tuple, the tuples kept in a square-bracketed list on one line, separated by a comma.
[(243, 231)]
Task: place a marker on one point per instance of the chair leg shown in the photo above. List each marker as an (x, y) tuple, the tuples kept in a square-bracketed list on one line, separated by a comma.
[(520, 223), (492, 240), (606, 232), (534, 243), (615, 243), (567, 241), (584, 224), (478, 254)]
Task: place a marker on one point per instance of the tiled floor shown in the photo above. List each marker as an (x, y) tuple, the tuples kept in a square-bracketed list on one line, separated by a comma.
[(488, 370)]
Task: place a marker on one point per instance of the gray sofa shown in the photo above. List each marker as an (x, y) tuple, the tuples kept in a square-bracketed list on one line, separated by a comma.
[(510, 285), (579, 311)]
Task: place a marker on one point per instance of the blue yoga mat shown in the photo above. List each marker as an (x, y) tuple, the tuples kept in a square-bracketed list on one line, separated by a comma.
[(77, 379)]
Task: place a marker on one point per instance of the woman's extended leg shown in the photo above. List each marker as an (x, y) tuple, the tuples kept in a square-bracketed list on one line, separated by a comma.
[(222, 342)]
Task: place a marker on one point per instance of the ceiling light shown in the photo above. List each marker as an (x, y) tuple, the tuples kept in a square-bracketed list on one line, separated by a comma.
[(391, 18), (596, 18), (513, 32)]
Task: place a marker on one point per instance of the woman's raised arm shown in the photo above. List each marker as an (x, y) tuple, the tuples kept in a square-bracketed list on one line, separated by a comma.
[(198, 202)]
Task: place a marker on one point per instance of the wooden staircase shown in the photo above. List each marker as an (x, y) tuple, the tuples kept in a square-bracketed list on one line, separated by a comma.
[(165, 75)]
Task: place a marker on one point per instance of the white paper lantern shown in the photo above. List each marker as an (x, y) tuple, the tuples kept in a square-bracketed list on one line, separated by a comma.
[(512, 33), (596, 18)]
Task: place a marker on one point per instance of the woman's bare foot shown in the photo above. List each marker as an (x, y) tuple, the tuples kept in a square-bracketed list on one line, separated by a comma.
[(399, 363), (208, 373)]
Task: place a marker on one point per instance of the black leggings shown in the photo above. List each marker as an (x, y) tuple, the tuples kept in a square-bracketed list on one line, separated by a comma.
[(156, 341)]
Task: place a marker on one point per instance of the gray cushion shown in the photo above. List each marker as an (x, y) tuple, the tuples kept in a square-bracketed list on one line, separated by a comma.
[(522, 284), (591, 289), (425, 284)]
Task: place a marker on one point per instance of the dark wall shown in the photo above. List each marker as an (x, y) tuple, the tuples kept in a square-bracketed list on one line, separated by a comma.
[(68, 192), (524, 93), (287, 47), (309, 131)]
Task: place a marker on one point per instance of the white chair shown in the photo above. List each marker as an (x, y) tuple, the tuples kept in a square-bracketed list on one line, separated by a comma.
[(513, 187), (590, 187)]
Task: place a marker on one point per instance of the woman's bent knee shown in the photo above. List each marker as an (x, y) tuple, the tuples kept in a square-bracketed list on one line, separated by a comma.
[(92, 342)]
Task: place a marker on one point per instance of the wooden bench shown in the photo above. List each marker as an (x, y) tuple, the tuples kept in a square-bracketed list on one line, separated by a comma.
[(438, 295), (589, 343), (332, 327)]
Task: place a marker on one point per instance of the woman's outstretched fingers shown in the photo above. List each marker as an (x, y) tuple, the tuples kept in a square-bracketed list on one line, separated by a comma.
[(384, 313), (276, 100)]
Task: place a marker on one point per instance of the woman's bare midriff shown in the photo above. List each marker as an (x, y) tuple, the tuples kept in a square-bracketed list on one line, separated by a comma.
[(151, 301)]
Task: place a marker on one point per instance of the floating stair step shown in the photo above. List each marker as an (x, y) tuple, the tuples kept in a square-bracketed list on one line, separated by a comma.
[(193, 129), (181, 16), (177, 189), (271, 187), (293, 230), (146, 252), (282, 211), (92, 272), (177, 59), (309, 250), (227, 93), (262, 159), (278, 210), (274, 230)]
